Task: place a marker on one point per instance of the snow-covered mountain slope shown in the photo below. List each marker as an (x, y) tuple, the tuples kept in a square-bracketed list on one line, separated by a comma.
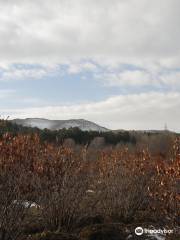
[(59, 124)]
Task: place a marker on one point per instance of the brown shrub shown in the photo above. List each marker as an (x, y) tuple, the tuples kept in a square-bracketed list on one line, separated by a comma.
[(68, 187)]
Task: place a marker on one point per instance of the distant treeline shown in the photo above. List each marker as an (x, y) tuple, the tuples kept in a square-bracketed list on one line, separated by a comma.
[(81, 137), (58, 136)]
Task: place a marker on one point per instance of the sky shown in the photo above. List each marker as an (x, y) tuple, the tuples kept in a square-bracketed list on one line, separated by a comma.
[(116, 62)]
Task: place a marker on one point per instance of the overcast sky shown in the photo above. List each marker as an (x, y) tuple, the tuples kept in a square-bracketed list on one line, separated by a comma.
[(115, 62)]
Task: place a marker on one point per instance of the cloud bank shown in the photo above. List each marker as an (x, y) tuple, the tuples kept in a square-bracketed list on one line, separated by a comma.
[(135, 111), (120, 30)]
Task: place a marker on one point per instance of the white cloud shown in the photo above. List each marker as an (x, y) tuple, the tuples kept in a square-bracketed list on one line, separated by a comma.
[(118, 30), (136, 111), (24, 72), (139, 78), (171, 78), (126, 78), (109, 33), (75, 68)]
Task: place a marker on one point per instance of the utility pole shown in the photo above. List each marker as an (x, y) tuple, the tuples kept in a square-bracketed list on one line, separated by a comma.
[(165, 127)]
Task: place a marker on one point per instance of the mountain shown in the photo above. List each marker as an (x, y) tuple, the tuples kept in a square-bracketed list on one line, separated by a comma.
[(42, 123)]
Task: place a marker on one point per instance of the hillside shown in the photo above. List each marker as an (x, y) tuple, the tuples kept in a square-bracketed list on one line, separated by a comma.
[(42, 123)]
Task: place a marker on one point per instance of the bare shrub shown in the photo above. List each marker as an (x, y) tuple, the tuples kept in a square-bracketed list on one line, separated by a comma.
[(63, 190), (122, 189), (68, 186), (12, 212), (12, 208)]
